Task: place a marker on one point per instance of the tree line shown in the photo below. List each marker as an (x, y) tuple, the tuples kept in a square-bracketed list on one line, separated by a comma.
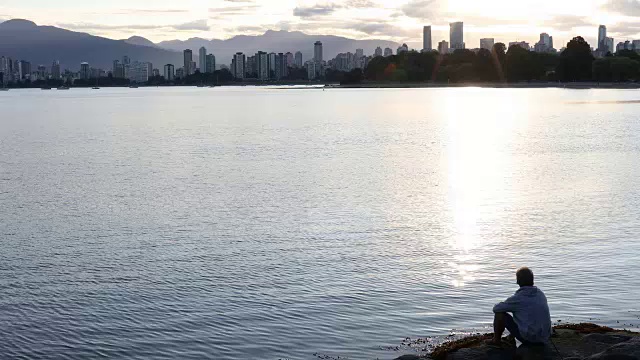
[(515, 64)]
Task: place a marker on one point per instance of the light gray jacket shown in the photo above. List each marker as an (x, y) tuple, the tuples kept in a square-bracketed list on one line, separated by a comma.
[(530, 312)]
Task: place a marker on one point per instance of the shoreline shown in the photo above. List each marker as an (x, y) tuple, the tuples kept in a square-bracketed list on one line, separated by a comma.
[(585, 341), (387, 85)]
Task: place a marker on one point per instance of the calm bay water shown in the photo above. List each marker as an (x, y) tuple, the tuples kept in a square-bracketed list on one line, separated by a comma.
[(248, 223)]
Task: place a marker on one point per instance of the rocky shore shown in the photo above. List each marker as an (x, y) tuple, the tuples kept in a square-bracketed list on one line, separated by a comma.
[(570, 342)]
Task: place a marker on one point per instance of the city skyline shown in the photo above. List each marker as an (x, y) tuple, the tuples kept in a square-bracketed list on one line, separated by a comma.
[(400, 21)]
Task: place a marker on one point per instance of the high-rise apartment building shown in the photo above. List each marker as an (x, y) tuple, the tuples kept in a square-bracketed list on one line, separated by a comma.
[(24, 70), (85, 71), (169, 72), (456, 35), (378, 52), (210, 64), (238, 68), (443, 47), (298, 59), (202, 58), (388, 52), (55, 70), (289, 59), (188, 60), (317, 52), (402, 48), (487, 43), (262, 61), (426, 39)]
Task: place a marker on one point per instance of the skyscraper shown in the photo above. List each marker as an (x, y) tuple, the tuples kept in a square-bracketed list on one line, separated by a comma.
[(25, 69), (290, 59), (55, 70), (456, 35), (188, 59), (443, 47), (317, 52), (238, 69), (426, 39), (85, 71), (378, 52), (298, 59), (545, 44), (280, 61), (487, 43), (262, 62), (609, 42), (126, 67), (210, 63), (602, 38), (271, 62), (203, 60), (402, 48), (169, 72), (388, 52)]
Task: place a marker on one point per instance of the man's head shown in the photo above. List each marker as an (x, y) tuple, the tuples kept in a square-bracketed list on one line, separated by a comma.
[(524, 276)]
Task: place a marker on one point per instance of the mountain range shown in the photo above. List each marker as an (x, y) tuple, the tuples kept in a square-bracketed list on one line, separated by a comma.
[(278, 41), (41, 45)]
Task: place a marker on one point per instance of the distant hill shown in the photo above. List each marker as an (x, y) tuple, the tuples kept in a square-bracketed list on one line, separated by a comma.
[(23, 39), (277, 41), (41, 45), (139, 40)]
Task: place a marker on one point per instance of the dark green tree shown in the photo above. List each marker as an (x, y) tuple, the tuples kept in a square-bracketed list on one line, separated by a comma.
[(576, 61)]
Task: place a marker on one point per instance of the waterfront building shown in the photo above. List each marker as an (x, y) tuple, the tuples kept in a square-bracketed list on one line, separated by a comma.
[(210, 64), (85, 71), (188, 61), (238, 65), (202, 58), (298, 59), (317, 52), (55, 70), (289, 59), (169, 72)]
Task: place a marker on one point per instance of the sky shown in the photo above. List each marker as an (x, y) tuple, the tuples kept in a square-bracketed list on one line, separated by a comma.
[(397, 20)]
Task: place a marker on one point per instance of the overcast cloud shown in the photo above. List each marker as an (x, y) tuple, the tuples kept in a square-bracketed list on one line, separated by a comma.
[(397, 20)]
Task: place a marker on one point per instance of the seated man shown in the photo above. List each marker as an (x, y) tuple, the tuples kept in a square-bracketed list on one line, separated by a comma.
[(531, 321)]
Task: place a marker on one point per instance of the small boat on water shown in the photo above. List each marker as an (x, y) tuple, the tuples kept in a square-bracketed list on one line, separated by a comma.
[(133, 87), (45, 88), (63, 88), (95, 88)]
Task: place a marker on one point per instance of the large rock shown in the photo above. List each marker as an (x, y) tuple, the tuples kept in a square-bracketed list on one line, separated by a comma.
[(628, 350)]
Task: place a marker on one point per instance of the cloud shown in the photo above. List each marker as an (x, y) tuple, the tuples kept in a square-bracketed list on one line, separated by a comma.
[(567, 22), (226, 11), (197, 25), (317, 10), (360, 4), (422, 9), (624, 7), (193, 25), (152, 11)]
